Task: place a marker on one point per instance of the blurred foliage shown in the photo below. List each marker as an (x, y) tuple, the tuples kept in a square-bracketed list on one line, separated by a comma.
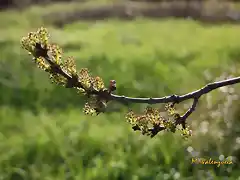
[(44, 134), (16, 3)]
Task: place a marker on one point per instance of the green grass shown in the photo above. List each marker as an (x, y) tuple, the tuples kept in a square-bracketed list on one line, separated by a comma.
[(44, 134)]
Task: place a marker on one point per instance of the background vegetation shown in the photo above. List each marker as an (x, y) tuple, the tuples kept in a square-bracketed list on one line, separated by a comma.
[(44, 134)]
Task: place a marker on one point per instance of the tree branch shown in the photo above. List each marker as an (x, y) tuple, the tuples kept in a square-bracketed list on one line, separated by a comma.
[(73, 81)]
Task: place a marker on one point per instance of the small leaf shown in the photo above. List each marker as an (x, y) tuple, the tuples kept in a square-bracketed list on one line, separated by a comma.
[(40, 37), (89, 110), (186, 133), (56, 53), (43, 36), (98, 83), (130, 116), (42, 64), (81, 91), (58, 79), (70, 65), (85, 78)]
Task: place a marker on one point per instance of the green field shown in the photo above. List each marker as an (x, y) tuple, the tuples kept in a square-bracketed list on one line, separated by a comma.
[(45, 135)]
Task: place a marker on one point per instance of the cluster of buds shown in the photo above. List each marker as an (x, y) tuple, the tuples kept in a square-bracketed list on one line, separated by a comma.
[(48, 57), (153, 121)]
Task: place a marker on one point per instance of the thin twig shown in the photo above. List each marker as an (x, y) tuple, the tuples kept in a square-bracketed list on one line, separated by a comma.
[(182, 119), (190, 110)]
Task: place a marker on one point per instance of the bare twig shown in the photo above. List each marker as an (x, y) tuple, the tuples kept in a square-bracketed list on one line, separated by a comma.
[(190, 110), (182, 119), (176, 98)]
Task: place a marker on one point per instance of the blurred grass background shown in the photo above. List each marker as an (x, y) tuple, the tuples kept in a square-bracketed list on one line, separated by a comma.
[(45, 135)]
